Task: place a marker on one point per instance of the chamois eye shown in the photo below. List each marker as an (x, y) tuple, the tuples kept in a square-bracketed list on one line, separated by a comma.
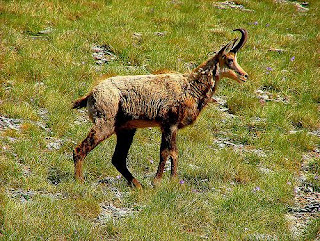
[(230, 61)]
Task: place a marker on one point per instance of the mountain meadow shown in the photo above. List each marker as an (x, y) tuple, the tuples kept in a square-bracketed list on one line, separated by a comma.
[(249, 167)]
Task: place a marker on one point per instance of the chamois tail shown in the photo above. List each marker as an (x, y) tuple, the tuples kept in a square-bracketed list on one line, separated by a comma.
[(80, 103)]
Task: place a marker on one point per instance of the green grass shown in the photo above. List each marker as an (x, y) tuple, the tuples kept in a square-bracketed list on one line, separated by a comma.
[(225, 196)]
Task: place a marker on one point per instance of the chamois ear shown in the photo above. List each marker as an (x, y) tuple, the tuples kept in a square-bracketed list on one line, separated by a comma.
[(217, 71), (225, 49), (234, 42)]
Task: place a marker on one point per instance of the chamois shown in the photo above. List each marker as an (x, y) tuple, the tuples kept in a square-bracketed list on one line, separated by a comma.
[(121, 104)]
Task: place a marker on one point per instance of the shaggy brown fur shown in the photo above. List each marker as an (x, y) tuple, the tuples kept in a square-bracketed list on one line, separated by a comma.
[(170, 101)]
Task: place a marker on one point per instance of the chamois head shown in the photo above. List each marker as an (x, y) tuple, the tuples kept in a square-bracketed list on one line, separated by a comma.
[(228, 60)]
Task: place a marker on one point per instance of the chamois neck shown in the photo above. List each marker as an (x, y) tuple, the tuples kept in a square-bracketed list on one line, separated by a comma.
[(203, 81)]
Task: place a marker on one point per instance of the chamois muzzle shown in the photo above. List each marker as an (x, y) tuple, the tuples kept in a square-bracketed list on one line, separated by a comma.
[(243, 77)]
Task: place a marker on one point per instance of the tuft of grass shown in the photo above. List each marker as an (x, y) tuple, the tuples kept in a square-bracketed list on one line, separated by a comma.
[(312, 231), (10, 172)]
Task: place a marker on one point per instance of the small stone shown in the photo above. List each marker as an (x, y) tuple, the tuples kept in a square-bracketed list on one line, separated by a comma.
[(276, 50), (10, 123), (294, 131), (97, 49), (137, 37), (43, 113), (26, 170), (110, 212), (230, 5), (221, 145), (102, 54), (11, 139), (39, 85), (107, 180), (301, 8), (264, 96), (46, 30), (55, 144), (194, 167), (161, 34), (265, 170)]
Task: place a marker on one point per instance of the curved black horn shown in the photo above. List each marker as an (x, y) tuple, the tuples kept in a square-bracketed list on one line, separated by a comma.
[(242, 41)]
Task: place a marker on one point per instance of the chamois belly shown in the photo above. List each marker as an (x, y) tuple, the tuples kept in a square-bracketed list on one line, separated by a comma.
[(133, 124)]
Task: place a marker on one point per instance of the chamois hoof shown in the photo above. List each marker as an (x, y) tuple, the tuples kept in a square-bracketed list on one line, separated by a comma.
[(79, 179), (136, 184), (156, 182)]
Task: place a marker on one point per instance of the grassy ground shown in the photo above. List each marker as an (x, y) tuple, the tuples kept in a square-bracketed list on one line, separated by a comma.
[(238, 171)]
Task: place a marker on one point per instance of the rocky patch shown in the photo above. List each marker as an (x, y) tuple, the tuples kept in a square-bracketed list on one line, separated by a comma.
[(222, 143), (280, 51), (222, 106), (230, 5), (266, 96), (27, 195), (307, 199), (10, 123), (54, 143), (110, 212), (300, 6), (7, 123), (103, 54)]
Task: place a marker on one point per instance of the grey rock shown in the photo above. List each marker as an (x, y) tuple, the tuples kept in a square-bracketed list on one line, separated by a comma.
[(263, 237), (222, 143), (46, 30), (54, 144), (43, 113), (161, 34), (268, 96), (230, 5), (102, 54), (300, 6), (110, 212), (108, 180), (10, 123), (266, 170), (276, 50)]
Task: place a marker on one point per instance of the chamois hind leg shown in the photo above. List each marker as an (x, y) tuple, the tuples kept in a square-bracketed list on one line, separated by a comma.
[(168, 149), (124, 140), (96, 135)]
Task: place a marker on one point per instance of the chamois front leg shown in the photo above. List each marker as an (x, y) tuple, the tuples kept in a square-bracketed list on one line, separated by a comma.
[(168, 149), (124, 141)]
